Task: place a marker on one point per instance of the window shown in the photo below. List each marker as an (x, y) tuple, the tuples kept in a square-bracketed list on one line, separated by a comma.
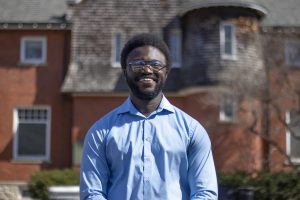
[(32, 133), (33, 50), (116, 49), (228, 41), (292, 53), (175, 47), (77, 152), (293, 135), (227, 109)]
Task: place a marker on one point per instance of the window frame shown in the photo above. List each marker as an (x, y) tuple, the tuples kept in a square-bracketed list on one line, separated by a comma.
[(114, 62), (223, 117), (295, 160), (38, 61), (225, 55), (77, 148), (288, 50), (17, 121), (177, 33)]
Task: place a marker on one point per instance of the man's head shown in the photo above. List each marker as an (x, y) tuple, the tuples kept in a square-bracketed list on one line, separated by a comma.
[(145, 39), (145, 61)]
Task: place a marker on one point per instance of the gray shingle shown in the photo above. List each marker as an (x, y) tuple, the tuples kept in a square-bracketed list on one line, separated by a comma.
[(102, 18), (251, 4), (32, 11), (281, 12)]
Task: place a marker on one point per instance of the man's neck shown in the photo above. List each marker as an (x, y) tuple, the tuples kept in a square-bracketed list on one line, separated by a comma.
[(146, 107)]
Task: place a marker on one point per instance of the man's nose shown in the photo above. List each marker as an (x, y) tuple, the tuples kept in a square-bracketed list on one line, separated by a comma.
[(147, 69)]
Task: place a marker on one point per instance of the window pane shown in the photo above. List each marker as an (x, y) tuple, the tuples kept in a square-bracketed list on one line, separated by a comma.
[(175, 47), (228, 48), (228, 39), (227, 109), (117, 47), (32, 139), (295, 133), (77, 152), (293, 53), (33, 49)]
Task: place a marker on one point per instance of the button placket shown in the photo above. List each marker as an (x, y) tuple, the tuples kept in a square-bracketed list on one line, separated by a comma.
[(147, 158)]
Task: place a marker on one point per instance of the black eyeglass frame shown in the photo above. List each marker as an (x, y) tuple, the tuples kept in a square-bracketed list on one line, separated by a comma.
[(139, 65)]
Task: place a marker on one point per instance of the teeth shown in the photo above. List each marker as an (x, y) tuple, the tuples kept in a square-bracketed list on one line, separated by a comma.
[(146, 79)]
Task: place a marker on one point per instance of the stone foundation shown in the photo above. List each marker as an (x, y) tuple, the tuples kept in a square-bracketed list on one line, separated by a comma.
[(10, 192)]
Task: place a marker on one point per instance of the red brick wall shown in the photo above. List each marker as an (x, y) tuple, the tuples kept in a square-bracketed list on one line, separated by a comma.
[(234, 148), (27, 85), (284, 89)]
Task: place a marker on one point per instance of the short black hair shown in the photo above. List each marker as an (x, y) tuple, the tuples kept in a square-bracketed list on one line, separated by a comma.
[(145, 39)]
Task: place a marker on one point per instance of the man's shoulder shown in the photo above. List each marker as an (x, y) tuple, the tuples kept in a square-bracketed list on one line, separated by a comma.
[(107, 121), (182, 114)]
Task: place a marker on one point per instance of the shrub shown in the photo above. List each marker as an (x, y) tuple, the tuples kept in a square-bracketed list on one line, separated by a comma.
[(267, 185), (39, 182)]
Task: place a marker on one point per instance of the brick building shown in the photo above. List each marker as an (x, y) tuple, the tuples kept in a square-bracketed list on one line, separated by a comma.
[(235, 69), (35, 119)]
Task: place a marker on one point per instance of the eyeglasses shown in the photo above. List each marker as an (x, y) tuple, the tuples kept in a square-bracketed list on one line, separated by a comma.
[(139, 65)]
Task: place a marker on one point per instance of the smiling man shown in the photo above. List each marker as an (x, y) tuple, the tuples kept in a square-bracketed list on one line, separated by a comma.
[(147, 148)]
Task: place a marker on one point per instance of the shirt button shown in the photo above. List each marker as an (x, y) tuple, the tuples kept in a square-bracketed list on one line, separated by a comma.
[(148, 139)]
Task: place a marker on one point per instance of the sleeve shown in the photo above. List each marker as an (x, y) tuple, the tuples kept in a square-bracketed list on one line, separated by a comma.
[(94, 170), (201, 174)]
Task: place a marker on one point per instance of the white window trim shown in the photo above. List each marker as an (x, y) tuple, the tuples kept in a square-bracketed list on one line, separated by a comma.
[(288, 140), (225, 56), (16, 121), (178, 33), (113, 49), (287, 60), (222, 115), (44, 50), (77, 152)]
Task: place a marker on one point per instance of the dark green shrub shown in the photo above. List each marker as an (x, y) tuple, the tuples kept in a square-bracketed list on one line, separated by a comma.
[(39, 182), (267, 185)]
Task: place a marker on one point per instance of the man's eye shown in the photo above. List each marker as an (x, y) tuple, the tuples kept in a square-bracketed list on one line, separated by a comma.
[(156, 64), (139, 63), (136, 65)]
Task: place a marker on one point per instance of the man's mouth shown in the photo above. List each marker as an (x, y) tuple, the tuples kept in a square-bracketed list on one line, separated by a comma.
[(147, 79)]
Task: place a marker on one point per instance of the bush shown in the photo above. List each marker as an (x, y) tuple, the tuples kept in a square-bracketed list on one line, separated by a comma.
[(39, 182), (267, 185)]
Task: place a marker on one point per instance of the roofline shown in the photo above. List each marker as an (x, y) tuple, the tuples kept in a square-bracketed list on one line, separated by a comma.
[(35, 26), (261, 10)]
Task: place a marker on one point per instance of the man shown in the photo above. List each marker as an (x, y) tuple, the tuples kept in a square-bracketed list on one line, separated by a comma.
[(147, 148)]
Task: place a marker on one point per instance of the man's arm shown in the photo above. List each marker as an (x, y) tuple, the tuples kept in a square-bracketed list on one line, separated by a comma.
[(201, 173), (94, 171)]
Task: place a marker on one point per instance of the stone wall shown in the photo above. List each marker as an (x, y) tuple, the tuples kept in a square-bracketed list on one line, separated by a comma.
[(10, 192)]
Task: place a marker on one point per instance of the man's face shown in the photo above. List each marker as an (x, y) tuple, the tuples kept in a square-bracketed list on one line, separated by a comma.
[(146, 83)]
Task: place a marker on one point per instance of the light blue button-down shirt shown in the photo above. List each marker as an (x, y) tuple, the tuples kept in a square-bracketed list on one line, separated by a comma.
[(166, 155)]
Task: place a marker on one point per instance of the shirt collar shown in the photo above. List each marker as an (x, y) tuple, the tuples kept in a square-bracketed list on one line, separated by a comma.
[(128, 106)]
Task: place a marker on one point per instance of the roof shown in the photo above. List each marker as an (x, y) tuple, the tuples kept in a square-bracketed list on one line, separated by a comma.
[(102, 78), (277, 12), (250, 4), (91, 78), (32, 11), (281, 12)]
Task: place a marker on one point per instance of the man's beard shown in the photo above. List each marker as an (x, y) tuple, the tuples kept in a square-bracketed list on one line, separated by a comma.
[(144, 95)]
